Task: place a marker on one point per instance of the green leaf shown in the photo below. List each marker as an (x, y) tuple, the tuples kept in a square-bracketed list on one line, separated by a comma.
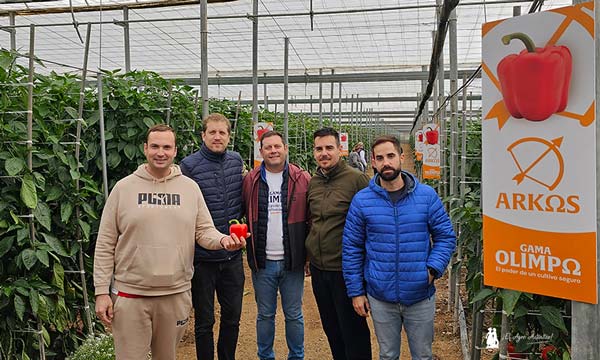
[(55, 244), (89, 210), (145, 106), (72, 112), (113, 160), (114, 104), (46, 335), (483, 294), (34, 301), (554, 317), (42, 256), (40, 181), (130, 151), (29, 258), (5, 245), (74, 174), (28, 192), (58, 277), (14, 166), (54, 193), (149, 122), (43, 216), (19, 306), (43, 312), (509, 300), (66, 209), (86, 228)]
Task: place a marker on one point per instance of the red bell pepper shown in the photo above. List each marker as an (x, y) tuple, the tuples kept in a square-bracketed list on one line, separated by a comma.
[(535, 83), (431, 136), (241, 230)]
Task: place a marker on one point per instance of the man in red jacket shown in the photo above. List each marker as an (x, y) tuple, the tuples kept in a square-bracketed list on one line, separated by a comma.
[(274, 199)]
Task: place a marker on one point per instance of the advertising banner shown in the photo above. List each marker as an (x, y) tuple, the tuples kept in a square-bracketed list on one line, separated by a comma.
[(419, 145), (539, 153), (431, 151), (259, 129), (344, 143)]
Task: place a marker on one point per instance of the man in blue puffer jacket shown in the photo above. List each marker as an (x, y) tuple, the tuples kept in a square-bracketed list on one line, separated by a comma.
[(218, 172), (397, 240)]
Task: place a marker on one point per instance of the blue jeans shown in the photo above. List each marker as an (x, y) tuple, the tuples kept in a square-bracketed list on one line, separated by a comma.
[(417, 319), (291, 287)]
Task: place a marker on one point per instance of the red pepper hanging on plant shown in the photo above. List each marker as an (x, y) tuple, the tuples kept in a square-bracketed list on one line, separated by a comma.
[(535, 83)]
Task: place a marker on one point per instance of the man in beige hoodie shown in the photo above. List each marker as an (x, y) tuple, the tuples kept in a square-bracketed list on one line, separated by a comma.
[(146, 238)]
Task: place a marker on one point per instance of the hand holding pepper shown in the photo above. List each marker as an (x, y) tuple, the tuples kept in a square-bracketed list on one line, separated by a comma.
[(535, 83)]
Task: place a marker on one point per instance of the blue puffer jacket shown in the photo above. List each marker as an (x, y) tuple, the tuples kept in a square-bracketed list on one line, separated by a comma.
[(387, 246), (220, 179)]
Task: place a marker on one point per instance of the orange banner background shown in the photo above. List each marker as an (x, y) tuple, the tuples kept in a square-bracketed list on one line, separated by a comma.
[(501, 236)]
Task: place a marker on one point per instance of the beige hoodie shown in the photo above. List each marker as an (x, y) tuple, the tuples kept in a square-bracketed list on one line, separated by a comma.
[(147, 233)]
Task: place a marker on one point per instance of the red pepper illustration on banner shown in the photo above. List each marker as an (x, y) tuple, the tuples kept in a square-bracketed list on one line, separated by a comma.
[(261, 130), (535, 83), (431, 136), (419, 136)]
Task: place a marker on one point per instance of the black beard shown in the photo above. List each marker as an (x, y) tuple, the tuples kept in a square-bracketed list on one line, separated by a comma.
[(389, 177)]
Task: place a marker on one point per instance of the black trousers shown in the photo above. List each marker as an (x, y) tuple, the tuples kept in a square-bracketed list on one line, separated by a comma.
[(227, 280), (347, 332)]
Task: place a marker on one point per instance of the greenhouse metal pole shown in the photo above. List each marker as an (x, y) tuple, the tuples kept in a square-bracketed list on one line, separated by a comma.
[(102, 137), (29, 142), (320, 100), (86, 303), (254, 61), (204, 57), (352, 119), (13, 31), (363, 123), (126, 39), (442, 119), (311, 108), (425, 113), (339, 105), (330, 100), (265, 96), (453, 166), (286, 46), (586, 317)]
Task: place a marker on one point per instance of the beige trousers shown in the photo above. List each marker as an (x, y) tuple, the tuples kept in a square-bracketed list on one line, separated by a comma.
[(154, 323)]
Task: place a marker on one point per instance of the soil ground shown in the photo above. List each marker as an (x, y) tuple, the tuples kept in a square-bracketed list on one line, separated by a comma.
[(446, 345)]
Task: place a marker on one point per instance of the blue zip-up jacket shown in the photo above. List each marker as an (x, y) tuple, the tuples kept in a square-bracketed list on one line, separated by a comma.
[(388, 247), (220, 179)]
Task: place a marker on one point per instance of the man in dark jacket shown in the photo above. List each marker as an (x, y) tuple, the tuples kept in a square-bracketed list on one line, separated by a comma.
[(329, 194), (275, 203), (397, 240), (218, 172)]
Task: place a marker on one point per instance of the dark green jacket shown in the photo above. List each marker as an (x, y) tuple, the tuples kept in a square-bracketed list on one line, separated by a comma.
[(329, 197)]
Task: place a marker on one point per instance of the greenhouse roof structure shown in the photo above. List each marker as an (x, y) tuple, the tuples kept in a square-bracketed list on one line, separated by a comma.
[(377, 51)]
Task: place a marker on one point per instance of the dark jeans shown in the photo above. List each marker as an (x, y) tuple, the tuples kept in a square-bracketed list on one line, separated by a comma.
[(227, 279), (347, 332)]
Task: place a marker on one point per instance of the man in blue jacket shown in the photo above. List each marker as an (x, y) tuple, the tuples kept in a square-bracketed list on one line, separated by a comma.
[(397, 240), (218, 172)]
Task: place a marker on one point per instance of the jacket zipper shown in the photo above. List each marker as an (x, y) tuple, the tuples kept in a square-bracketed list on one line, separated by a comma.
[(397, 250)]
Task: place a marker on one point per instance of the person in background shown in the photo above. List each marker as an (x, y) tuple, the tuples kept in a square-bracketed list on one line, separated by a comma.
[(360, 149), (330, 192), (398, 239), (218, 173), (149, 225), (275, 205), (354, 159)]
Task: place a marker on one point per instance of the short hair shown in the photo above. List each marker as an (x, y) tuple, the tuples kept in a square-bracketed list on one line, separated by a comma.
[(269, 134), (386, 138), (216, 117), (160, 128), (327, 131)]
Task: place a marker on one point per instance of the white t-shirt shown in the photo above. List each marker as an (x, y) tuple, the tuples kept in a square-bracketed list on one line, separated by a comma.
[(275, 223)]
